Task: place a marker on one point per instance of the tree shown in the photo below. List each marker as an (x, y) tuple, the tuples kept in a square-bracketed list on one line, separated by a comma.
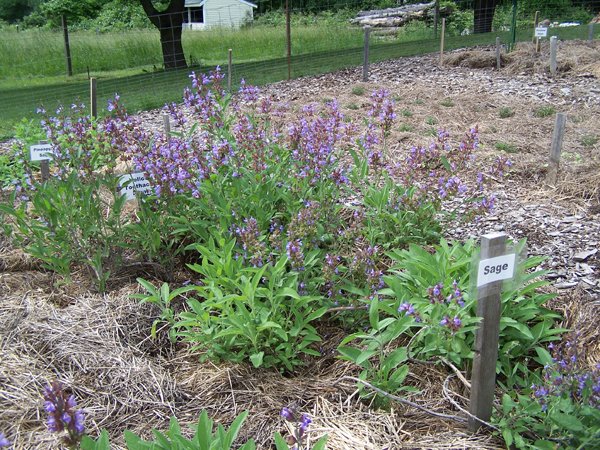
[(170, 25), (15, 10), (484, 15)]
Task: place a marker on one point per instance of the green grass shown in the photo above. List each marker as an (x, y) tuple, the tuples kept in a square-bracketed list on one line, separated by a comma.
[(544, 111), (358, 90), (589, 140), (506, 112), (447, 102), (141, 48), (431, 120), (406, 113), (405, 127), (505, 147)]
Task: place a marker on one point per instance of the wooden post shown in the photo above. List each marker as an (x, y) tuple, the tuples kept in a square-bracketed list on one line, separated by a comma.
[(436, 18), (67, 46), (483, 378), (366, 54), (288, 37), (553, 49), (44, 166), (442, 41), (591, 32), (93, 99), (555, 148), (167, 126), (229, 69), (498, 54)]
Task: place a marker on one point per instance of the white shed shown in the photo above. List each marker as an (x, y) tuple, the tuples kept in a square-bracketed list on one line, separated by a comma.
[(218, 13)]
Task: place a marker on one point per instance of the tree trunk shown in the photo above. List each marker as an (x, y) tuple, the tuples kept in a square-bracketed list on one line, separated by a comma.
[(484, 15), (170, 25)]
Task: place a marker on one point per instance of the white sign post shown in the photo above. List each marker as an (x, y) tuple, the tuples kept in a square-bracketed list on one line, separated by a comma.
[(541, 32), (131, 183), (42, 152), (494, 268)]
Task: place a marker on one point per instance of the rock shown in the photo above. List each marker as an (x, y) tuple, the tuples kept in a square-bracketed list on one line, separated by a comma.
[(582, 256), (566, 285)]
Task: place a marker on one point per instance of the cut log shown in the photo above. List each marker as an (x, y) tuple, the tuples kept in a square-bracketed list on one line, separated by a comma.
[(397, 17), (389, 12)]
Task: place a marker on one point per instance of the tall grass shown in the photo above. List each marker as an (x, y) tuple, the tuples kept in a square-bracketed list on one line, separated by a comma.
[(38, 53)]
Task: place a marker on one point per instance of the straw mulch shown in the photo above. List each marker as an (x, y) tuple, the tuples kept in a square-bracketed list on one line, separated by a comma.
[(99, 347), (574, 57)]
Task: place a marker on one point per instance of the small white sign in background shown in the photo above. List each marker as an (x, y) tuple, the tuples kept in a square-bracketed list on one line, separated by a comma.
[(131, 183), (496, 269), (541, 32), (40, 152)]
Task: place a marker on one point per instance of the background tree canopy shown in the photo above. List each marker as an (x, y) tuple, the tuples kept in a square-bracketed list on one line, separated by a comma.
[(130, 14)]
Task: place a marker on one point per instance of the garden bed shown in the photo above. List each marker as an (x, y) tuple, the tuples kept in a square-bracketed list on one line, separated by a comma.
[(99, 345)]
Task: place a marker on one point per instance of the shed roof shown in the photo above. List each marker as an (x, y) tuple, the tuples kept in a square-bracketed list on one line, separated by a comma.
[(199, 3)]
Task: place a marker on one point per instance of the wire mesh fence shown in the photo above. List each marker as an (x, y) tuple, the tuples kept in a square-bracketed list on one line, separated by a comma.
[(325, 36)]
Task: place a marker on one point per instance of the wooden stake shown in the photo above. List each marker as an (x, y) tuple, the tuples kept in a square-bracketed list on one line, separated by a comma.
[(67, 46), (229, 69), (93, 98), (483, 378), (535, 24), (555, 149), (167, 126), (553, 50), (44, 166), (442, 41), (498, 54), (366, 54)]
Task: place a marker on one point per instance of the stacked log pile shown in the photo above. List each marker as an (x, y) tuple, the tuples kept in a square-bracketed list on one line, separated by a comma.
[(397, 17)]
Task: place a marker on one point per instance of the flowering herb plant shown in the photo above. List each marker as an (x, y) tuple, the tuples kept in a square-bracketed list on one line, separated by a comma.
[(427, 300), (557, 406)]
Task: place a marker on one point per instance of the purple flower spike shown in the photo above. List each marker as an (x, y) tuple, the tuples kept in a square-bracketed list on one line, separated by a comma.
[(62, 415)]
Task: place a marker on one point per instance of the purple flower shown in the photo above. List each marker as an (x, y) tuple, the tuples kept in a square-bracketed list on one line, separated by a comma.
[(304, 423), (407, 308), (62, 415), (453, 324), (287, 414), (435, 293), (4, 443)]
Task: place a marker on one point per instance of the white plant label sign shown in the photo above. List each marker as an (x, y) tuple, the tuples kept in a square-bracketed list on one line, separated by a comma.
[(496, 269), (40, 152), (541, 32), (131, 183)]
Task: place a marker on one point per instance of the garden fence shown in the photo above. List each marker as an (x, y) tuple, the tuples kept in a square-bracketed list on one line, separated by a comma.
[(33, 64)]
